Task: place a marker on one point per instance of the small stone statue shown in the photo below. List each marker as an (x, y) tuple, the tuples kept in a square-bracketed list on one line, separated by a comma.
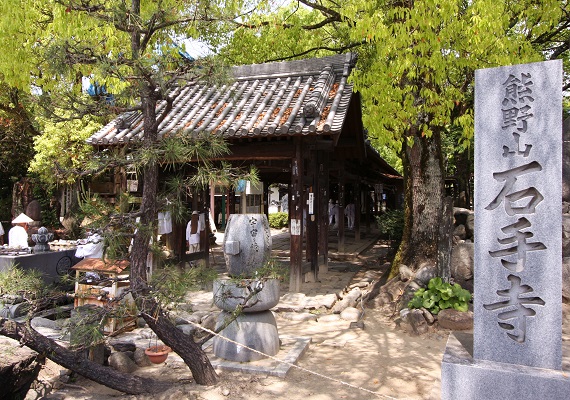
[(41, 239)]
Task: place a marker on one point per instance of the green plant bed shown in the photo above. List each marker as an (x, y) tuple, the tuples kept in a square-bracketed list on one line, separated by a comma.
[(278, 220), (440, 295)]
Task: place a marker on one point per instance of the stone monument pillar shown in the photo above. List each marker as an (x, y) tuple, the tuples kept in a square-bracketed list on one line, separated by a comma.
[(516, 348), (247, 247)]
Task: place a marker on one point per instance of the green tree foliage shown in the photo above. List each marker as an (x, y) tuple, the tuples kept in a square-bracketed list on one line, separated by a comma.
[(130, 49), (17, 131), (416, 75), (61, 150)]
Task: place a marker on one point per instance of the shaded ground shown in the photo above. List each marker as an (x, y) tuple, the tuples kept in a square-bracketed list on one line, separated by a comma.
[(379, 361)]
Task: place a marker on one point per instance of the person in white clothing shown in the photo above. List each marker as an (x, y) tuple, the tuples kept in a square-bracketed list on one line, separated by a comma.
[(18, 234), (1, 234), (349, 210), (193, 229)]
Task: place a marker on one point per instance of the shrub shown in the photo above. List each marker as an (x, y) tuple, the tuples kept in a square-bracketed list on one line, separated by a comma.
[(279, 220), (391, 224), (439, 296)]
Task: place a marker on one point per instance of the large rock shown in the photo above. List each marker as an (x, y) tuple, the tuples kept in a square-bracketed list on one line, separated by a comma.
[(19, 368), (349, 300), (461, 264), (122, 362), (425, 273), (455, 320), (566, 279), (415, 320)]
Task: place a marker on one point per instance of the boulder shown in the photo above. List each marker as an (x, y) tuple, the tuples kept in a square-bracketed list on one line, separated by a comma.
[(405, 273), (351, 314), (122, 345), (141, 359), (415, 320), (455, 320), (425, 273), (566, 279), (461, 262), (122, 362), (19, 368), (460, 232), (348, 300)]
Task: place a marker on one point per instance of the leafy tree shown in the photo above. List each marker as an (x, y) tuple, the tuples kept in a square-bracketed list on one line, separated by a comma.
[(416, 75), (17, 131), (130, 49)]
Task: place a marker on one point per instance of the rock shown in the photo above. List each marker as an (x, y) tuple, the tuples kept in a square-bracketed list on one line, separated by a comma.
[(455, 320), (141, 359), (40, 322), (19, 368), (460, 215), (122, 362), (424, 273), (461, 262), (351, 314), (460, 232), (349, 300), (20, 309), (566, 278), (124, 346), (319, 301), (209, 322), (470, 225), (188, 329), (405, 272), (414, 318), (566, 226), (428, 316), (294, 316)]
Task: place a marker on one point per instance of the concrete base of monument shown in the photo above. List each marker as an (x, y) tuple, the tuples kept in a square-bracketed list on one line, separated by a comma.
[(464, 378), (291, 350)]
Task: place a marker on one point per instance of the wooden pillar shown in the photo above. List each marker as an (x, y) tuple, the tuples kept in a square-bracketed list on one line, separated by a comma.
[(230, 204), (313, 213), (357, 191), (265, 198), (296, 218), (368, 208), (323, 224), (341, 205), (213, 203)]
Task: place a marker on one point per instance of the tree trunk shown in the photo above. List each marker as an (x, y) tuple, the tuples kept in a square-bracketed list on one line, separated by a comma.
[(192, 354), (77, 362), (424, 191)]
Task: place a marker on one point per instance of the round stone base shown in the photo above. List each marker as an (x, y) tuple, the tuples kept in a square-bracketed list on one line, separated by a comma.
[(255, 330)]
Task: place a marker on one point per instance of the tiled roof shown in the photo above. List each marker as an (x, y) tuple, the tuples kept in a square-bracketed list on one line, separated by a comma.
[(287, 98)]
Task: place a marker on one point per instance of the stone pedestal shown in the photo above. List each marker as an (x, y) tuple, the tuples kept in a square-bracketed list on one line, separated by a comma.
[(256, 330), (466, 378)]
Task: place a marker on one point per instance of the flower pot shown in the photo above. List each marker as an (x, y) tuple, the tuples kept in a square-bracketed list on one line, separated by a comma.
[(157, 354)]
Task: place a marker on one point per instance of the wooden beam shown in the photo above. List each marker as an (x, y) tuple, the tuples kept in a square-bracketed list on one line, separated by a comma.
[(323, 199), (296, 221)]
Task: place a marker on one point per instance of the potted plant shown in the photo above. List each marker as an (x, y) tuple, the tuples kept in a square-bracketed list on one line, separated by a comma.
[(158, 353)]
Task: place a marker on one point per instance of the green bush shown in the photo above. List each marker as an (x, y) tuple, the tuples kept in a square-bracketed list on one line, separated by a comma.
[(278, 220), (391, 224), (441, 295)]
